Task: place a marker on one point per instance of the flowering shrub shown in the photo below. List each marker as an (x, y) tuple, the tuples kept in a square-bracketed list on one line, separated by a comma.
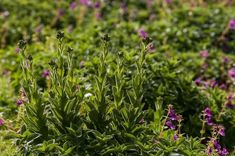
[(120, 77)]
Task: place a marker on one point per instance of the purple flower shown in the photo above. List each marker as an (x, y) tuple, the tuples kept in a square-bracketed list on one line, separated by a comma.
[(217, 145), (150, 47), (223, 86), (39, 28), (204, 53), (223, 152), (198, 81), (221, 131), (142, 121), (86, 2), (205, 66), (2, 122), (142, 33), (45, 73), (61, 12), (97, 5), (208, 116), (98, 16), (226, 60), (232, 24), (230, 105), (209, 121), (19, 102), (172, 114), (170, 125), (208, 112), (209, 151), (17, 49), (175, 137), (213, 83), (231, 73), (168, 1), (73, 5), (149, 3)]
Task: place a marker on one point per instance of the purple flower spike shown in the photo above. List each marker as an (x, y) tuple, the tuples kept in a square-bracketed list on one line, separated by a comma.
[(2, 122), (231, 73), (45, 73), (142, 33), (19, 102), (232, 24)]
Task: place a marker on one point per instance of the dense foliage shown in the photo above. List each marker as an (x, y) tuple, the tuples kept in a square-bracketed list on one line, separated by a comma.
[(147, 77)]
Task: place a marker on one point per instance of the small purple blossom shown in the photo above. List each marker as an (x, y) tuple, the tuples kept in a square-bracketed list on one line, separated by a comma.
[(61, 12), (19, 102), (223, 86), (223, 152), (171, 114), (231, 73), (170, 125), (2, 122), (45, 73), (205, 66), (208, 112), (213, 83), (73, 5), (226, 60), (17, 49), (168, 1), (39, 28), (175, 137), (209, 151), (204, 53), (98, 16), (232, 24), (222, 131), (142, 33), (198, 81), (97, 5), (229, 104), (142, 121), (217, 146), (149, 3), (208, 116), (86, 2)]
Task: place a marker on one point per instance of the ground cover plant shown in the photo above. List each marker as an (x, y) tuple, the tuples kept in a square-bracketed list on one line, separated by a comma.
[(105, 77)]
